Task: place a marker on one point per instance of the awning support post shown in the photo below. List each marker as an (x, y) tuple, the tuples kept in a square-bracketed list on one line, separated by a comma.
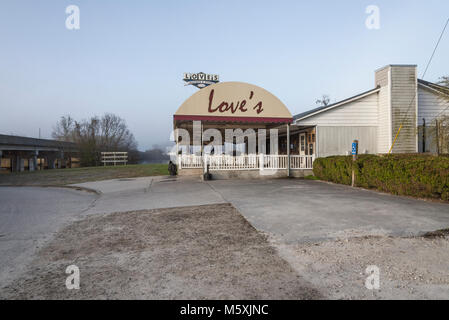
[(288, 150)]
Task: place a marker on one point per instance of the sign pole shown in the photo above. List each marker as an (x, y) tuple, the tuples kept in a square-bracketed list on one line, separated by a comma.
[(437, 134), (355, 151)]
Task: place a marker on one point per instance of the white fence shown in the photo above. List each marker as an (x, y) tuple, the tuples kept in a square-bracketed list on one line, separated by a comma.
[(114, 158), (245, 162), (190, 161)]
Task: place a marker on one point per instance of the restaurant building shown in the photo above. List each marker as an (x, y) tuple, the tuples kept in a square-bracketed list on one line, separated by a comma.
[(235, 129)]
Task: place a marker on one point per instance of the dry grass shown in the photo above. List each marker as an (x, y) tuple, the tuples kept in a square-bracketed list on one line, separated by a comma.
[(59, 177)]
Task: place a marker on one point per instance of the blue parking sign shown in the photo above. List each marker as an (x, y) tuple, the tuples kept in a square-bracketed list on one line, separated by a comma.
[(354, 148)]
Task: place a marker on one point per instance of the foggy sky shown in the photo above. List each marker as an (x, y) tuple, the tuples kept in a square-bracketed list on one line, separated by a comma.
[(129, 57)]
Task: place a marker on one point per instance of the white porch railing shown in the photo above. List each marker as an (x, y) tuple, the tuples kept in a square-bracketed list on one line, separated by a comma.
[(190, 161), (245, 162)]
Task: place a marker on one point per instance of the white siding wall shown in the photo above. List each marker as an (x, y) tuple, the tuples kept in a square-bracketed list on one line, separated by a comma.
[(382, 79), (338, 140), (430, 104), (362, 112), (338, 127)]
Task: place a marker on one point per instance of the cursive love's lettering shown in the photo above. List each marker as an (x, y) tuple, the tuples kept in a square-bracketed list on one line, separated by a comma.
[(225, 106)]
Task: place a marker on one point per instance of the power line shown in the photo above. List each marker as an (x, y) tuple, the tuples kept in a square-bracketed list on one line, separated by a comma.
[(427, 67), (436, 47), (424, 73)]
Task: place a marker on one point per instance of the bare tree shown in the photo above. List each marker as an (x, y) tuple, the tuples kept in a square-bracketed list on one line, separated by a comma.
[(115, 134), (444, 81), (64, 129), (324, 101), (108, 133)]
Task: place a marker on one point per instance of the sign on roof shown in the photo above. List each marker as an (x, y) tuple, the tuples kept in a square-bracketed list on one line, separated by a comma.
[(200, 80), (234, 101)]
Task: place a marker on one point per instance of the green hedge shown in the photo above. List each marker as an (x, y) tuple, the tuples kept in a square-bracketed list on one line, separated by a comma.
[(415, 175)]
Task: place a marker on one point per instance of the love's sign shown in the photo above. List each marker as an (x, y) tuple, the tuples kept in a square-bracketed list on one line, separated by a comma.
[(200, 80), (234, 106)]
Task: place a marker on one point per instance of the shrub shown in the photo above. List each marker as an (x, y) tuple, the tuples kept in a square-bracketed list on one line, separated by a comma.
[(406, 174)]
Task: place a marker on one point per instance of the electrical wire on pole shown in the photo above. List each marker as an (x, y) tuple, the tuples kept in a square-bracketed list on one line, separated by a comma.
[(423, 75)]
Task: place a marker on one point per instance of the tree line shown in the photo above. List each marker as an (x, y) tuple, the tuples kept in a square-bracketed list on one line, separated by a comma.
[(95, 135)]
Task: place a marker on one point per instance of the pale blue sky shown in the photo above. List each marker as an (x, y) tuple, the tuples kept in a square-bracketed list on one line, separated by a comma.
[(129, 56)]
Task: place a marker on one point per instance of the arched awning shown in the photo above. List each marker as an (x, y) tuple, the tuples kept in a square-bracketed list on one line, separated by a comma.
[(234, 102)]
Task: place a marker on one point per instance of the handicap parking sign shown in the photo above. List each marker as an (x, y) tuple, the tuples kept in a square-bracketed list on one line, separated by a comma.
[(354, 148)]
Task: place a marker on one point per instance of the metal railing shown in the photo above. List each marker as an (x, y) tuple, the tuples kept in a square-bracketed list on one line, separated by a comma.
[(245, 162)]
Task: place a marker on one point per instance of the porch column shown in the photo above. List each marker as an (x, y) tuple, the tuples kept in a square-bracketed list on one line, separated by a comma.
[(177, 146), (34, 160), (18, 163), (60, 160), (21, 164), (51, 162), (201, 137), (288, 149), (31, 164)]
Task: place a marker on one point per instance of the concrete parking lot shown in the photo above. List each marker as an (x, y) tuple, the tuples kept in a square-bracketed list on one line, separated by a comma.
[(29, 217), (294, 210), (308, 211)]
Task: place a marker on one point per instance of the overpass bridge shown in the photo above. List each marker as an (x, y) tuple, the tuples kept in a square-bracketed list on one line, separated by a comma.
[(20, 153)]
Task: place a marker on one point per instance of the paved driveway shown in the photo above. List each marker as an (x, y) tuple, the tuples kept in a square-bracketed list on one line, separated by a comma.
[(292, 210), (28, 217), (150, 193), (305, 210)]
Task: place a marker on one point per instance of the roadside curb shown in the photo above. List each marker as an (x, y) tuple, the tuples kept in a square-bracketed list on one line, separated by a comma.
[(78, 188)]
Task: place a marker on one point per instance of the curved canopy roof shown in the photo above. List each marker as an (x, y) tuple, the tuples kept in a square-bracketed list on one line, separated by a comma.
[(234, 102)]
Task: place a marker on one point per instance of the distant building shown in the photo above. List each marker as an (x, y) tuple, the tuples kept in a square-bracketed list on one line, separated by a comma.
[(28, 154)]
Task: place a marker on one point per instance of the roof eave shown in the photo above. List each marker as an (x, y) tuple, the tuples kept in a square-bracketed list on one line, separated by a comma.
[(339, 104)]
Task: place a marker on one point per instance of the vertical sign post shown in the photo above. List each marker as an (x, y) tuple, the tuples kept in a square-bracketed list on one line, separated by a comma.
[(437, 133), (423, 135), (355, 151)]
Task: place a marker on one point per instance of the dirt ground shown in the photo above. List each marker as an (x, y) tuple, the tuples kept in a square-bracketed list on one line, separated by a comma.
[(203, 252), (410, 268)]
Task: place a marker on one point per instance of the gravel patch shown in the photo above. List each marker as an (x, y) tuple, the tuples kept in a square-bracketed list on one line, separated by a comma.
[(410, 268)]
